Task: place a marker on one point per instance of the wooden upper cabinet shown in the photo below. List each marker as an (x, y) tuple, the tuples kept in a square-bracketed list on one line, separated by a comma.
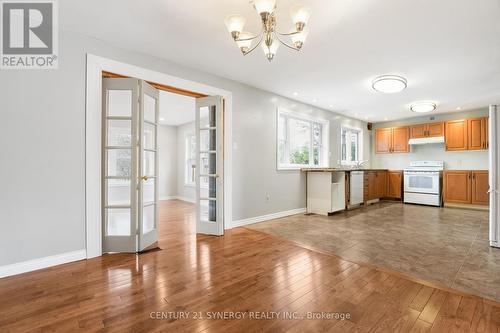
[(477, 133), (457, 186), (456, 134), (383, 140), (400, 137), (435, 129), (418, 131), (394, 184), (426, 130), (479, 188)]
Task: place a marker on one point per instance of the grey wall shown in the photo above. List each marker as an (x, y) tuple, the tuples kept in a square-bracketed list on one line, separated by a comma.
[(184, 192), (459, 160), (42, 137), (167, 155)]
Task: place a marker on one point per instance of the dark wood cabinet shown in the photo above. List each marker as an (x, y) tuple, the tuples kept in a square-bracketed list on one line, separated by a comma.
[(394, 184), (375, 186), (392, 140), (466, 187)]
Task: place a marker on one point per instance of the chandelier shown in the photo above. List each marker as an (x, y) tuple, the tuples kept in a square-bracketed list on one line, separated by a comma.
[(269, 38)]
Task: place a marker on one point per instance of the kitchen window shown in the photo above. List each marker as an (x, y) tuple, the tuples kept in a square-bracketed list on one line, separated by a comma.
[(302, 141), (351, 145)]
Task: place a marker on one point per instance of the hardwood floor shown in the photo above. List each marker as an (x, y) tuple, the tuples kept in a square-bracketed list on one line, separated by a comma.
[(246, 271)]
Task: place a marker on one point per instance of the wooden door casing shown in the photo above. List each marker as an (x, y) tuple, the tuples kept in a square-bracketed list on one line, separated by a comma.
[(457, 186), (480, 188)]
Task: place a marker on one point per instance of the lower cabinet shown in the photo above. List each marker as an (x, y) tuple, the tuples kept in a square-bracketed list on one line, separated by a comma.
[(466, 187), (375, 185), (394, 184)]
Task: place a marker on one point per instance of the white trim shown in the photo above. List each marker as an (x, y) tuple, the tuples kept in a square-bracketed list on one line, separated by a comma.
[(95, 66), (360, 144), (39, 263), (325, 140), (267, 217), (170, 197)]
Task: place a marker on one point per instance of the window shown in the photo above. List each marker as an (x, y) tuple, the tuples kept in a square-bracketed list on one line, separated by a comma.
[(302, 141), (190, 171), (351, 145)]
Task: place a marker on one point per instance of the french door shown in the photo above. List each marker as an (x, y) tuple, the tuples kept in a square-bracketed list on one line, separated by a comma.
[(130, 165), (210, 159)]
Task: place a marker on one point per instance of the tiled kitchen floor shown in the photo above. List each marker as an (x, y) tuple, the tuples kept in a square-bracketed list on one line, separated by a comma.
[(447, 246)]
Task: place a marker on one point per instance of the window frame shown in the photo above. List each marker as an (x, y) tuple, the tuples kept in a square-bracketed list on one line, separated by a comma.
[(325, 140), (360, 145), (187, 156)]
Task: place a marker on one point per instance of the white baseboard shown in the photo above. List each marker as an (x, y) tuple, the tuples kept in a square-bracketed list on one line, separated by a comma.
[(176, 197), (267, 217), (35, 264)]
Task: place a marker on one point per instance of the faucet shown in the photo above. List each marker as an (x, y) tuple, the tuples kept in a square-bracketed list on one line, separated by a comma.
[(359, 164)]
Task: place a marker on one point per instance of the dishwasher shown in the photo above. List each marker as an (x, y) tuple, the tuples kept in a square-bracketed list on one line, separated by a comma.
[(356, 185)]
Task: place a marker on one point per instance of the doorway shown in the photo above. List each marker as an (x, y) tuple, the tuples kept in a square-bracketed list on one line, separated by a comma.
[(141, 206)]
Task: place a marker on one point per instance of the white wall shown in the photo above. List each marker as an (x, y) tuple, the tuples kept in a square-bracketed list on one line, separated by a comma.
[(167, 154), (458, 160), (42, 197), (184, 192)]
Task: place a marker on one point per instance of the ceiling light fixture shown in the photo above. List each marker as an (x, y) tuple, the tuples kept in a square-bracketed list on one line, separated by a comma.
[(423, 107), (389, 84), (269, 37)]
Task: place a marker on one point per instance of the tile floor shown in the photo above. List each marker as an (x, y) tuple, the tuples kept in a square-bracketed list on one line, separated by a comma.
[(448, 246)]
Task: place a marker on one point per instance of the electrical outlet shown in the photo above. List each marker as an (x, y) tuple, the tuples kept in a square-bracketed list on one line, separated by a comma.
[(268, 197)]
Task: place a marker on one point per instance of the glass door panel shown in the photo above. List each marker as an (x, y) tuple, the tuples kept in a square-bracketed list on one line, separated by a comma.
[(148, 166), (209, 178), (119, 193)]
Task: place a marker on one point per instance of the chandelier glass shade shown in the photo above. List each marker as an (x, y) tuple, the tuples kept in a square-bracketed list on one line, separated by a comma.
[(269, 38)]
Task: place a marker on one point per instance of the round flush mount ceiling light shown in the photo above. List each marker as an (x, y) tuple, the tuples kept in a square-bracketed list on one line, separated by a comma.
[(423, 107), (389, 84)]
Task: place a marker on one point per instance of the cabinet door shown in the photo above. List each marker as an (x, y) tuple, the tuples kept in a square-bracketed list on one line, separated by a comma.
[(486, 133), (394, 184), (381, 184), (383, 140), (400, 137), (435, 129), (456, 134), (418, 131), (372, 185), (480, 187), (476, 134), (457, 187)]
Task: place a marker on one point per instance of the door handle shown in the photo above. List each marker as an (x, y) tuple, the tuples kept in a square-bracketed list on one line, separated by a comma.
[(145, 178)]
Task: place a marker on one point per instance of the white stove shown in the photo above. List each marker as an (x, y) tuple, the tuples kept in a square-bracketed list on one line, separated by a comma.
[(423, 182)]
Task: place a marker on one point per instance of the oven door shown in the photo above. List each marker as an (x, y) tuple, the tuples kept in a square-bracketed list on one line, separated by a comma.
[(422, 182)]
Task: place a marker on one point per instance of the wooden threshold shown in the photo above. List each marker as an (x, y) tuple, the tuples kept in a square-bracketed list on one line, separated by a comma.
[(108, 75)]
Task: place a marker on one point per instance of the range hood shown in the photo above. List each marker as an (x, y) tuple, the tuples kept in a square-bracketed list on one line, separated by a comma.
[(424, 141)]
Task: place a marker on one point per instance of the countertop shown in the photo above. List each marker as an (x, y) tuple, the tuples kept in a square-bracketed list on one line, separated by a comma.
[(338, 169)]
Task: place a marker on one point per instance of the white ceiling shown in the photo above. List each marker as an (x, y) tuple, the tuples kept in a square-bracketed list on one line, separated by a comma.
[(449, 50), (176, 109)]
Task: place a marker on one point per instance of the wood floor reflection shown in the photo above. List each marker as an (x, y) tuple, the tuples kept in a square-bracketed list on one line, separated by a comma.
[(248, 271)]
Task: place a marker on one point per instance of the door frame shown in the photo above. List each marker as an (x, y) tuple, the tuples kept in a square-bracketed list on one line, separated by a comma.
[(96, 65)]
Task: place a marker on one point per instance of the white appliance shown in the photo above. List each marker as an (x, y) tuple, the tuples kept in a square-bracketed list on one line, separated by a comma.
[(424, 141), (356, 184), (423, 182)]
